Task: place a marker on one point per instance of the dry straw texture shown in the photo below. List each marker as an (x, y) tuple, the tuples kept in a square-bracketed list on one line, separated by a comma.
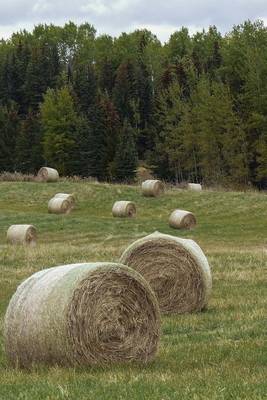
[(82, 314), (46, 174), (181, 219), (16, 177), (176, 269), (22, 234), (66, 196), (152, 188), (196, 187), (124, 209), (60, 205)]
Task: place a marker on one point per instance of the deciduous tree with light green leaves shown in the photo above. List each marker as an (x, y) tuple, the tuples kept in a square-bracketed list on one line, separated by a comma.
[(59, 122)]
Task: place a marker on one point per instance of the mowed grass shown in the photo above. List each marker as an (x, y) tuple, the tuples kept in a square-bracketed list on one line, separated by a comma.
[(218, 354)]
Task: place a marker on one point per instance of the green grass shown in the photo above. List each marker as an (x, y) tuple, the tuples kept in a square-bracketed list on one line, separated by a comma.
[(217, 354)]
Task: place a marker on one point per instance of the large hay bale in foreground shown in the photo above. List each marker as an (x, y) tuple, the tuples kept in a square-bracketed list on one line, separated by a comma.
[(82, 314), (60, 205), (181, 219), (196, 187), (176, 269), (46, 174), (66, 196), (124, 209), (22, 234), (152, 188)]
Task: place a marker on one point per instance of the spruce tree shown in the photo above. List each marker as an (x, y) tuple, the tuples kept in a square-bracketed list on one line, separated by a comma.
[(96, 144), (126, 159), (85, 87), (125, 92), (9, 128), (112, 127), (42, 73), (106, 76), (28, 145)]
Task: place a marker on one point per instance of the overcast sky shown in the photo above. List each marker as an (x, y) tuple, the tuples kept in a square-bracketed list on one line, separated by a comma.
[(162, 17)]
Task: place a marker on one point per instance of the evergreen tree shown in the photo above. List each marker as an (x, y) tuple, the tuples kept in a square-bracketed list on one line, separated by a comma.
[(9, 127), (42, 73), (107, 76), (125, 93), (96, 144), (28, 145), (126, 159), (85, 88), (96, 138), (12, 78), (112, 126), (196, 106)]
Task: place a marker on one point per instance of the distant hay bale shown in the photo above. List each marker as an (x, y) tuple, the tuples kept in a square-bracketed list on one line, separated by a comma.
[(66, 196), (124, 209), (82, 314), (181, 219), (22, 234), (196, 187), (46, 174), (60, 205), (152, 188), (176, 269)]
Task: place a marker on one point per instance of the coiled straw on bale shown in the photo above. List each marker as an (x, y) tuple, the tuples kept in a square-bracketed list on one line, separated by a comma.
[(66, 196), (176, 269), (82, 314), (47, 174), (124, 209), (196, 187), (152, 188), (60, 205), (181, 219), (22, 234)]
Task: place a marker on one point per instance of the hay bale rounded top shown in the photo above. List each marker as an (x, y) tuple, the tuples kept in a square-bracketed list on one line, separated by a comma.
[(60, 205), (22, 234), (46, 174), (82, 314), (196, 187), (176, 269), (152, 188), (182, 219), (66, 196), (124, 209)]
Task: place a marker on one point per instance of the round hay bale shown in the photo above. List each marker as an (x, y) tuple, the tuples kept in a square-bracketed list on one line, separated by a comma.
[(124, 209), (82, 314), (152, 188), (46, 174), (66, 196), (176, 269), (22, 234), (181, 219), (196, 187), (59, 205)]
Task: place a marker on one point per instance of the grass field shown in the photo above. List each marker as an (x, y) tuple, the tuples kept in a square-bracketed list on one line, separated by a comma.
[(217, 354)]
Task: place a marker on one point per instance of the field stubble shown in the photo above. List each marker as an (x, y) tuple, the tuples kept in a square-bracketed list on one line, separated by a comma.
[(217, 354)]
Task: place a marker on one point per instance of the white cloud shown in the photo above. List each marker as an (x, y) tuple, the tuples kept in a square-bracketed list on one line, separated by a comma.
[(162, 17), (41, 7), (98, 7)]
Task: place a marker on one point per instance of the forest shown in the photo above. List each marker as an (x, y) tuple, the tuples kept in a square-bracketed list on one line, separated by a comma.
[(191, 109)]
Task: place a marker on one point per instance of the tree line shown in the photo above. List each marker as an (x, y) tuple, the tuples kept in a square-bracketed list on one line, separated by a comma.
[(194, 108)]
